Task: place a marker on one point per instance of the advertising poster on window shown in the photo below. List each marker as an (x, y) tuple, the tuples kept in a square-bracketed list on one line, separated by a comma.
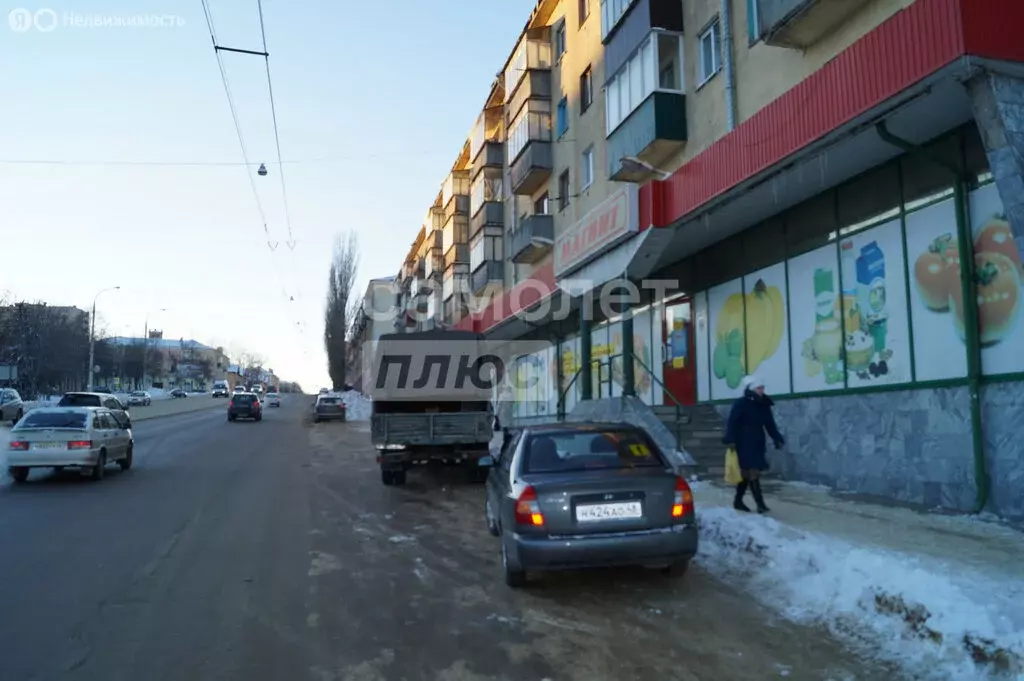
[(877, 344), (614, 361), (570, 349), (815, 321), (725, 305), (700, 317), (934, 258), (998, 272), (641, 356), (543, 386), (766, 336), (599, 373)]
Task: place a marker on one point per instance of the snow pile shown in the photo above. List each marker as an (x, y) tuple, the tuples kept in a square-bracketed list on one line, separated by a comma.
[(357, 406), (935, 620)]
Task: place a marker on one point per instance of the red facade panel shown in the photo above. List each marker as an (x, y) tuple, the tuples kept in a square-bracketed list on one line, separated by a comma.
[(911, 45), (992, 28)]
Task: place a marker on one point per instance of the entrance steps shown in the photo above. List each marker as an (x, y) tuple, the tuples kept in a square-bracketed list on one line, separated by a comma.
[(699, 430)]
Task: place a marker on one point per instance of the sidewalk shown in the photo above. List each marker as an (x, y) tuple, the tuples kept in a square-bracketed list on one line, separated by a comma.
[(939, 596)]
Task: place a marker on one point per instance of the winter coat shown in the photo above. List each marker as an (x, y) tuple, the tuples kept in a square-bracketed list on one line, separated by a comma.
[(750, 417)]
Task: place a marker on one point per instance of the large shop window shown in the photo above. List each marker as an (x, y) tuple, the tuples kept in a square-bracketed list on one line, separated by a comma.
[(656, 65), (532, 124), (611, 12)]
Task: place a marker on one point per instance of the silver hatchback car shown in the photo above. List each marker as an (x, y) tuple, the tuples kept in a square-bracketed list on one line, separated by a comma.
[(567, 496), (86, 438)]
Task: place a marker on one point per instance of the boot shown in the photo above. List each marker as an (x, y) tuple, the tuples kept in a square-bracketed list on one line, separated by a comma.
[(737, 503), (755, 489)]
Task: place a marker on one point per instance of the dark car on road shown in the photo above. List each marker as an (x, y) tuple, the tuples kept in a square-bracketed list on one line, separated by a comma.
[(94, 399), (329, 408), (245, 406), (567, 496), (178, 393)]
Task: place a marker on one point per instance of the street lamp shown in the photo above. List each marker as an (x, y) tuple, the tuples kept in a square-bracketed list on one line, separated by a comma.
[(92, 337), (145, 347)]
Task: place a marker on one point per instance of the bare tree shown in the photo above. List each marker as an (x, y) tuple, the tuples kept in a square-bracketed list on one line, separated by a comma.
[(341, 305)]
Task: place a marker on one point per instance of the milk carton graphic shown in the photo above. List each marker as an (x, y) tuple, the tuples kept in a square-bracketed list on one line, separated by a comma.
[(871, 292)]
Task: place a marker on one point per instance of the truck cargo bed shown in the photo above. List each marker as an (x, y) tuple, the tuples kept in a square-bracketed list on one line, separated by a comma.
[(431, 429)]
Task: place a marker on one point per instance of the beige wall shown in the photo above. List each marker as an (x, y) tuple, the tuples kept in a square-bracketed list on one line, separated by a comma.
[(763, 72)]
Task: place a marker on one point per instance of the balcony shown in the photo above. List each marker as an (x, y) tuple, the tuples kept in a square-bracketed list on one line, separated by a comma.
[(533, 240), (491, 214), (634, 26), (532, 168), (490, 273), (491, 155), (536, 85), (651, 134), (457, 253), (458, 204), (799, 24)]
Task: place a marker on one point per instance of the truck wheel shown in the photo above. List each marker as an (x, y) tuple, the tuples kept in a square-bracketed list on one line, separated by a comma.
[(387, 477), (399, 477)]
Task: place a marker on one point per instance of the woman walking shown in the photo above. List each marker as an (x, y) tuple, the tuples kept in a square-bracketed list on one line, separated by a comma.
[(750, 417)]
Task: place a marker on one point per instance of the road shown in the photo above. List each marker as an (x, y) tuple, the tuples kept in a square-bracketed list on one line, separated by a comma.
[(270, 551)]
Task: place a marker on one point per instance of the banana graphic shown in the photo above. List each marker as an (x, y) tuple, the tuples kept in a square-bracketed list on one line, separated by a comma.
[(765, 323)]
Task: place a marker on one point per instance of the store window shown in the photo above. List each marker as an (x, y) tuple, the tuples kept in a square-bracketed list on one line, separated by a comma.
[(871, 198), (924, 181), (811, 224)]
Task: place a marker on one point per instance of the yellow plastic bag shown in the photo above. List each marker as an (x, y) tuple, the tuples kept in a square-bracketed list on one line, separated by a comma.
[(733, 476)]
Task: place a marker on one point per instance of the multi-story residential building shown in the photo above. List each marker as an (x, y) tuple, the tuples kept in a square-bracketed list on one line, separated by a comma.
[(828, 194), (374, 318)]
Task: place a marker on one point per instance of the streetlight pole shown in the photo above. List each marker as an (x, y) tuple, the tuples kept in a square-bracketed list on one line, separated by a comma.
[(92, 337)]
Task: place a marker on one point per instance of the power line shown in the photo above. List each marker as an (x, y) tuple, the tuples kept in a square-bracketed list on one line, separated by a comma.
[(277, 136)]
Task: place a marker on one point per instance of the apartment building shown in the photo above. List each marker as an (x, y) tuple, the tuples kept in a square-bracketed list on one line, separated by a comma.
[(373, 318), (828, 194)]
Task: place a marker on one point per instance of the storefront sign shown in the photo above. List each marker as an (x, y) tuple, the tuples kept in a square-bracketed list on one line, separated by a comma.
[(613, 220)]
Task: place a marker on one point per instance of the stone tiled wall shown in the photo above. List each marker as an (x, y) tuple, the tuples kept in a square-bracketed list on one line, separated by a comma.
[(912, 446)]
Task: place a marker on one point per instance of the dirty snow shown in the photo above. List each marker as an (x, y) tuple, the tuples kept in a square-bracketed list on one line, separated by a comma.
[(357, 406), (935, 618)]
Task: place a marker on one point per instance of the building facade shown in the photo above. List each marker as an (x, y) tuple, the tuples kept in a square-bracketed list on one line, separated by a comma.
[(829, 195)]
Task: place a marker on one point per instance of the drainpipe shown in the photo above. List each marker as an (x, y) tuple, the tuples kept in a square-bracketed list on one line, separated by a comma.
[(730, 74), (965, 243)]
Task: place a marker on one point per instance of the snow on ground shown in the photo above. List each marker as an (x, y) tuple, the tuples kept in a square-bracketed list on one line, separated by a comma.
[(357, 406), (936, 619)]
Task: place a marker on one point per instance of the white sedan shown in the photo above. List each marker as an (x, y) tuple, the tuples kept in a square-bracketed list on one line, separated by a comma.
[(272, 400)]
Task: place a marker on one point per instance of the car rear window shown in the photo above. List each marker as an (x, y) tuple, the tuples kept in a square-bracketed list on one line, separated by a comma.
[(53, 419), (80, 401), (328, 400), (578, 450), (244, 399)]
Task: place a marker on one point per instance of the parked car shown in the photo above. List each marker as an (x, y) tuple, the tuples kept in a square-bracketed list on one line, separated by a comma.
[(85, 438), (324, 391), (106, 401), (329, 408), (11, 406), (245, 406), (178, 393), (139, 398), (566, 496), (272, 400)]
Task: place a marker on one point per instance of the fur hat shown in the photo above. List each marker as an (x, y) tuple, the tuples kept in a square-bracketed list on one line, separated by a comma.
[(752, 383)]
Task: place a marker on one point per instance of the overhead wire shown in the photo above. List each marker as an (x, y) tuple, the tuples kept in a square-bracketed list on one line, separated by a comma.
[(277, 135)]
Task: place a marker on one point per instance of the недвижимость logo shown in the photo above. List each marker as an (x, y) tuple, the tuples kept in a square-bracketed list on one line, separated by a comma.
[(44, 20)]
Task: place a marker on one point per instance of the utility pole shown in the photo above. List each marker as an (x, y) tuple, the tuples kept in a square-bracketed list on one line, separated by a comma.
[(92, 337)]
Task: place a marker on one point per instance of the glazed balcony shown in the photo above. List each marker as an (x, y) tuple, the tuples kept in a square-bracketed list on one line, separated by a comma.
[(532, 168), (488, 274), (533, 240), (799, 24), (490, 155), (457, 253), (652, 133), (490, 214)]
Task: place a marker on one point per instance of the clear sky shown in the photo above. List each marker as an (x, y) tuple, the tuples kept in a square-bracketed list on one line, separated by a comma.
[(374, 100)]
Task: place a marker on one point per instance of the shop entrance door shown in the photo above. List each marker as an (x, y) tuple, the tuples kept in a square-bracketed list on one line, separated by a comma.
[(680, 369)]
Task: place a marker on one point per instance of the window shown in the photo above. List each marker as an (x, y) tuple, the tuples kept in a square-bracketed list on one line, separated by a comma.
[(656, 65), (612, 12), (563, 116), (485, 188), (563, 190), (584, 10), (559, 452), (710, 55), (753, 22), (558, 40), (530, 125), (540, 206), (587, 168), (485, 248), (586, 90)]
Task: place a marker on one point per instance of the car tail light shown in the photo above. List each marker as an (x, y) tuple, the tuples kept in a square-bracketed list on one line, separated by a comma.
[(231, 403), (682, 504), (18, 445), (528, 509), (80, 444)]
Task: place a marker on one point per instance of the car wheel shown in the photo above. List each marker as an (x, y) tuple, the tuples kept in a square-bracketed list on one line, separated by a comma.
[(492, 524), (513, 577), (676, 569), (259, 418), (101, 465), (387, 477), (18, 473), (126, 462)]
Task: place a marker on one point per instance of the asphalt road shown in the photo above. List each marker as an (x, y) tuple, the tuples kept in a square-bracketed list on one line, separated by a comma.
[(270, 551)]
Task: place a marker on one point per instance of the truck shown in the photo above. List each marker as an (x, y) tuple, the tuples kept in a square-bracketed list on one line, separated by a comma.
[(440, 422)]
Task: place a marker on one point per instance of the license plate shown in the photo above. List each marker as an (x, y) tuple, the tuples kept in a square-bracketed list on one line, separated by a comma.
[(617, 511), (48, 445)]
